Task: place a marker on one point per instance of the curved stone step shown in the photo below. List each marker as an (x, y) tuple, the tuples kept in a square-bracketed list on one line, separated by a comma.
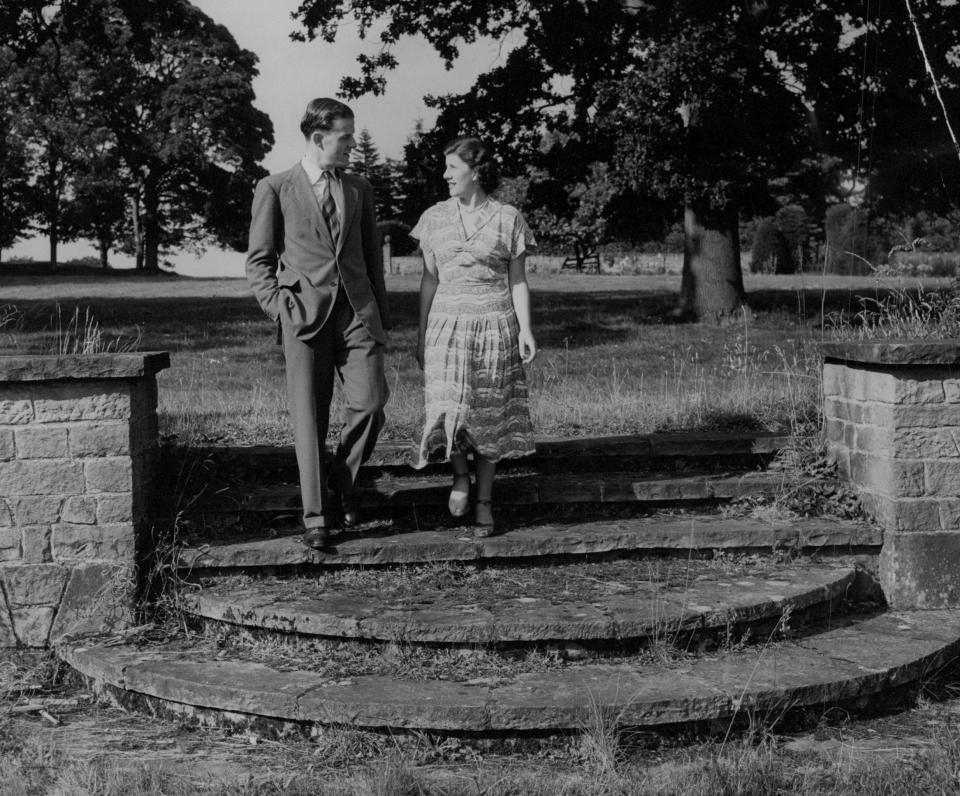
[(388, 491), (657, 532), (628, 603), (715, 446), (860, 659)]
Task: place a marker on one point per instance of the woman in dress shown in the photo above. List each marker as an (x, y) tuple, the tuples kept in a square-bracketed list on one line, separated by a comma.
[(475, 331)]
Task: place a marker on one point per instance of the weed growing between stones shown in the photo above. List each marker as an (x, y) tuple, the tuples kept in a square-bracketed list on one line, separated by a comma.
[(163, 581), (780, 630), (811, 485), (601, 742), (24, 673), (107, 609), (666, 644)]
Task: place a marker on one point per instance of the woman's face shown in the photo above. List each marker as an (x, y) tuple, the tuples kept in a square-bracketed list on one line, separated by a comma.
[(459, 177)]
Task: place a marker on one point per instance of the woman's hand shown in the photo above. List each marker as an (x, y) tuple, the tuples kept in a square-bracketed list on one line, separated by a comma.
[(528, 346)]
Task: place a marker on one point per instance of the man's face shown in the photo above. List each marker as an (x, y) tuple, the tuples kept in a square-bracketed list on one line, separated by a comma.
[(335, 144)]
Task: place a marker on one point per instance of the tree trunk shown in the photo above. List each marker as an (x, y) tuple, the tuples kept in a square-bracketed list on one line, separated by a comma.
[(104, 247), (53, 206), (712, 283), (54, 240), (137, 230), (151, 225), (784, 262)]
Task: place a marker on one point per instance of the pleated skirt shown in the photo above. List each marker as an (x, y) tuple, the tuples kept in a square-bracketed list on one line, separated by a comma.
[(475, 390)]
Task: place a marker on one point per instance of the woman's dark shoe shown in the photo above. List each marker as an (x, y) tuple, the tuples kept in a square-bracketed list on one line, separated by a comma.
[(483, 525), (459, 502), (351, 513)]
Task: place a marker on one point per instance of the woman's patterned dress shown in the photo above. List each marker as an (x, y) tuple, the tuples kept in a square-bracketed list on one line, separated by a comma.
[(475, 389)]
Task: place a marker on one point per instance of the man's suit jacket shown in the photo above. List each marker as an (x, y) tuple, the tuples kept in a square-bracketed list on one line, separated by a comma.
[(293, 265)]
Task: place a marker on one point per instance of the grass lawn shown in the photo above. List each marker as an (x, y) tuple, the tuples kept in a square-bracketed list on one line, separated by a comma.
[(612, 360)]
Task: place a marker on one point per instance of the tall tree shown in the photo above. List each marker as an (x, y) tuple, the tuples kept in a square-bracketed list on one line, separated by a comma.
[(908, 158), (26, 24), (365, 160), (48, 123), (174, 90), (735, 132), (418, 182), (100, 206), (17, 197), (790, 65)]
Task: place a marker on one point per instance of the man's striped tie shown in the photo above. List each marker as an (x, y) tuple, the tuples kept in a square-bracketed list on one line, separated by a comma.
[(329, 207)]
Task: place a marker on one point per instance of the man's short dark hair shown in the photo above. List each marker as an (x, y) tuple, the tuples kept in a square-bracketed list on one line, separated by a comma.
[(321, 114)]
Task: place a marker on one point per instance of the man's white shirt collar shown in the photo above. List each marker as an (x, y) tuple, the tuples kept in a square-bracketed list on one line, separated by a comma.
[(314, 172)]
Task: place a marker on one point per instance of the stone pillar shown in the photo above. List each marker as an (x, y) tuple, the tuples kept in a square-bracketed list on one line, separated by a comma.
[(892, 415), (78, 447)]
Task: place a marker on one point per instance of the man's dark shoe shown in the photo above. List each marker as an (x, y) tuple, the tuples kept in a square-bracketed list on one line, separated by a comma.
[(317, 538), (344, 496)]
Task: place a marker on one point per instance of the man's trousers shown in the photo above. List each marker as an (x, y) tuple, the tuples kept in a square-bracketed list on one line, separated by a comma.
[(345, 348)]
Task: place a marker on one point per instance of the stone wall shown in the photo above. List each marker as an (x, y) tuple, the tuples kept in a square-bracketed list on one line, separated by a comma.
[(78, 445), (414, 265), (892, 415), (610, 264)]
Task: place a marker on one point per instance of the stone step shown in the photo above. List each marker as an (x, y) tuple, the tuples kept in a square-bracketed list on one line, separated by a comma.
[(659, 450), (670, 532), (578, 602), (857, 659), (387, 491)]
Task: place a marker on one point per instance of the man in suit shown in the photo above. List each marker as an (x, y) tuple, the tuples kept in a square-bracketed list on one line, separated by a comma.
[(315, 266)]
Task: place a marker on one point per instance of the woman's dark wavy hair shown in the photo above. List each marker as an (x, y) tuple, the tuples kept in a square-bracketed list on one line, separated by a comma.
[(479, 156)]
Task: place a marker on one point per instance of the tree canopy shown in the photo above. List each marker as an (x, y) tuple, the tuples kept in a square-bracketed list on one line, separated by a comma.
[(844, 64), (149, 103), (721, 106)]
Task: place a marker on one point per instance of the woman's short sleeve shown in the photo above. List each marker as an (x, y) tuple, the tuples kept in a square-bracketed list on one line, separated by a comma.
[(421, 231), (522, 241)]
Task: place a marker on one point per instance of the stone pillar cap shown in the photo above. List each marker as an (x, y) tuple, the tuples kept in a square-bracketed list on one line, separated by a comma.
[(136, 364), (895, 352)]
